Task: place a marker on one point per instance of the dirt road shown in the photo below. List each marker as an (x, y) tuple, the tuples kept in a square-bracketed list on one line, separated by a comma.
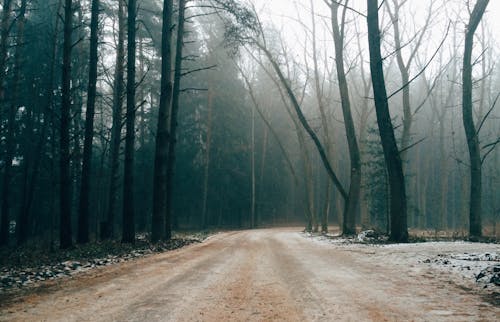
[(261, 275)]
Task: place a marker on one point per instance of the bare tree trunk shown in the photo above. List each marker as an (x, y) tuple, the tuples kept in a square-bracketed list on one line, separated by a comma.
[(4, 37), (10, 136), (173, 118), (160, 204), (208, 145), (363, 124), (83, 214), (398, 211), (64, 157), (352, 202), (263, 160), (308, 179), (4, 34), (128, 229), (116, 128), (324, 121), (475, 229), (252, 207)]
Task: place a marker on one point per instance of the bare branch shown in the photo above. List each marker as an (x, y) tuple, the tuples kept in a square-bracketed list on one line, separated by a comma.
[(411, 145), (491, 147), (487, 114), (194, 89), (198, 70), (426, 65), (329, 3)]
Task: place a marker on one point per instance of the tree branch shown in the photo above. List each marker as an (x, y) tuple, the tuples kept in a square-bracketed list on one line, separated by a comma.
[(411, 145), (487, 114), (426, 65), (198, 70)]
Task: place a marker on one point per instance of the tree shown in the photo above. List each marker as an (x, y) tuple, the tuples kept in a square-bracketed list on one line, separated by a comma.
[(173, 117), (162, 130), (475, 228), (405, 66), (64, 157), (352, 202), (83, 214), (10, 135), (324, 119), (4, 38), (397, 192), (116, 128), (4, 34), (128, 229), (33, 156)]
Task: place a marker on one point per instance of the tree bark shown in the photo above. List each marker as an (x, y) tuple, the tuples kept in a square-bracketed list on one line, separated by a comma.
[(208, 144), (398, 211), (4, 37), (4, 34), (173, 118), (324, 120), (252, 157), (116, 128), (10, 135), (65, 235), (83, 214), (475, 229), (128, 229), (160, 204), (352, 202)]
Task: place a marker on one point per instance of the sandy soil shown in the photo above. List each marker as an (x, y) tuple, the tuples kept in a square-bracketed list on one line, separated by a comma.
[(264, 275)]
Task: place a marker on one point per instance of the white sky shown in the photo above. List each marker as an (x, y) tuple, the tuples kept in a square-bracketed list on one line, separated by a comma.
[(280, 10)]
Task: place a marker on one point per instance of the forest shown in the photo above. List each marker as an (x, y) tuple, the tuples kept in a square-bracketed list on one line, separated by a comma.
[(120, 117)]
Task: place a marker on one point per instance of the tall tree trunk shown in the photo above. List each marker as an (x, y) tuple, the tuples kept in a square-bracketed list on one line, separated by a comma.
[(10, 136), (208, 144), (324, 120), (128, 229), (475, 229), (116, 128), (83, 214), (398, 211), (64, 157), (4, 37), (352, 202), (265, 141), (173, 118), (363, 124), (4, 34), (162, 132), (405, 78), (252, 162)]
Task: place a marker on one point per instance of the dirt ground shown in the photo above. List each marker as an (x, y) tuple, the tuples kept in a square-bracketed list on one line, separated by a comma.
[(265, 275)]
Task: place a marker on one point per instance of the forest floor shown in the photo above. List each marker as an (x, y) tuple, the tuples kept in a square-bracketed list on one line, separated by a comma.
[(279, 275)]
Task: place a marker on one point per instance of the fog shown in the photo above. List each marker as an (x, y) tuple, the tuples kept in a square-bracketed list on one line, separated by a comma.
[(260, 136)]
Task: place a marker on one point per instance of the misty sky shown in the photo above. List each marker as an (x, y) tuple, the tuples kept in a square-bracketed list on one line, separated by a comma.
[(281, 10)]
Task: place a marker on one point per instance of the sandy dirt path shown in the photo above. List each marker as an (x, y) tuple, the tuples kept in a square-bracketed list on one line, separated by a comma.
[(260, 275)]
